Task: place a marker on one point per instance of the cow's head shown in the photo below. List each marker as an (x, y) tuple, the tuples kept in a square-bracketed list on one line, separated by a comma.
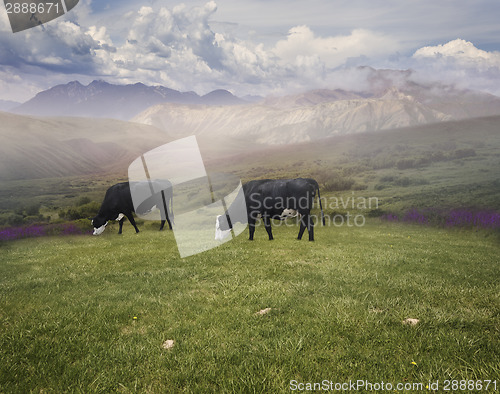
[(99, 224), (222, 227)]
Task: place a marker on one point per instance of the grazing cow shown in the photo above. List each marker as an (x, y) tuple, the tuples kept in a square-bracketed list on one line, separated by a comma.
[(118, 204), (275, 199)]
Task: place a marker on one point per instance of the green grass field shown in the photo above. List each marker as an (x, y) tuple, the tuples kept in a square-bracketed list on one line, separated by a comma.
[(91, 314)]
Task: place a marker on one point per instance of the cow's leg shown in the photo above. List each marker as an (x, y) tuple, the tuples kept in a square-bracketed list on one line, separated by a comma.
[(120, 222), (267, 224), (130, 218), (310, 227), (303, 225), (251, 227), (164, 212)]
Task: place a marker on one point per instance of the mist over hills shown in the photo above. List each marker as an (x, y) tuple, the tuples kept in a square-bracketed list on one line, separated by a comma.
[(33, 147), (7, 105), (379, 100), (47, 147), (100, 99), (323, 113), (50, 147)]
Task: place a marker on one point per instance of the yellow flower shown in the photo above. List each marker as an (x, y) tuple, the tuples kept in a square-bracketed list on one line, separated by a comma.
[(414, 363), (135, 317)]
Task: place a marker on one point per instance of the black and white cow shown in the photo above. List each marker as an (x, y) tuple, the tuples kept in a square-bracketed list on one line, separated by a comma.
[(275, 199), (118, 204)]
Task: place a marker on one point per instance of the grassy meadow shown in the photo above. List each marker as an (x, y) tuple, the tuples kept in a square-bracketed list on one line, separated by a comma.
[(91, 314), (99, 314)]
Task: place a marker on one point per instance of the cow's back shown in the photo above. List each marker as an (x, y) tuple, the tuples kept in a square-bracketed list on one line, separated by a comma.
[(118, 199), (251, 191), (302, 187)]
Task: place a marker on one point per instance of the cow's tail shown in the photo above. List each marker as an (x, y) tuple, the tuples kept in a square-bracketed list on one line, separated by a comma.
[(169, 213), (172, 209), (321, 206)]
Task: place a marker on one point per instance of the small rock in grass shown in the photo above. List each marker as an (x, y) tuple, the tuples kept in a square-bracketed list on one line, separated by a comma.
[(263, 311), (168, 344), (411, 322)]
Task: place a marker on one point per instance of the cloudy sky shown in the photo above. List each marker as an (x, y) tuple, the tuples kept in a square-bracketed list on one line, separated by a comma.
[(256, 47)]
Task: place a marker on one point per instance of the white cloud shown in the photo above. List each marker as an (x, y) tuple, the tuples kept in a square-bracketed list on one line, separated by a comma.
[(302, 44), (179, 47), (460, 63), (461, 51)]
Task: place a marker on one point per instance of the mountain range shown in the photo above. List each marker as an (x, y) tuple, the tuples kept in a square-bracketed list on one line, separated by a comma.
[(322, 113), (387, 99), (100, 99)]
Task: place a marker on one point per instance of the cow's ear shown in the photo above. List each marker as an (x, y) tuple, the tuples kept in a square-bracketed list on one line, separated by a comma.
[(90, 219)]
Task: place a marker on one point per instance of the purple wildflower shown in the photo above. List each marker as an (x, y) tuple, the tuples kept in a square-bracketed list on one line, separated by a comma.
[(32, 231), (414, 216)]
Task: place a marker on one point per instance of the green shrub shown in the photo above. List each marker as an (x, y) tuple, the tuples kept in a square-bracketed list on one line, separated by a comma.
[(387, 178), (33, 210), (403, 181), (80, 212), (463, 153), (83, 201), (405, 164), (14, 219), (332, 181)]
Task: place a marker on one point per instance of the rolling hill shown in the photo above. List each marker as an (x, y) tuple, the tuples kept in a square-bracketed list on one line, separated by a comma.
[(46, 147), (55, 161), (442, 165), (33, 147)]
